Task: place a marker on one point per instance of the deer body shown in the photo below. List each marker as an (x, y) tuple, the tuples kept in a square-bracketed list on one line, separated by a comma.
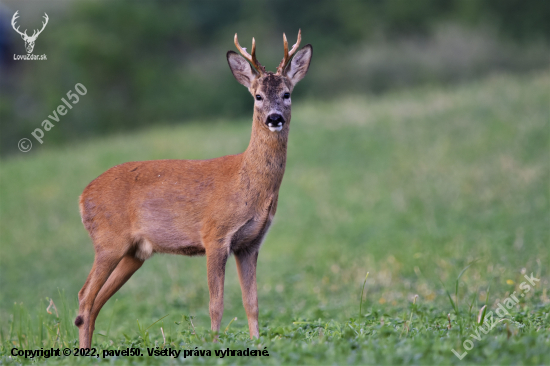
[(170, 203), (213, 207)]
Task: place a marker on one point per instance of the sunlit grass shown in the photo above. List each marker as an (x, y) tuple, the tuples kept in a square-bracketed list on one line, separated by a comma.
[(411, 187)]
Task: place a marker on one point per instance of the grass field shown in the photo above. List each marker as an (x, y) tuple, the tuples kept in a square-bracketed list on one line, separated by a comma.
[(411, 187)]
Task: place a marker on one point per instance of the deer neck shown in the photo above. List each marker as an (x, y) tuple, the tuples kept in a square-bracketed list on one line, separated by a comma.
[(264, 160)]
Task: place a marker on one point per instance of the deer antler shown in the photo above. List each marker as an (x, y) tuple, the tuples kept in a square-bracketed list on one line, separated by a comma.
[(15, 16), (252, 56), (43, 26), (288, 55)]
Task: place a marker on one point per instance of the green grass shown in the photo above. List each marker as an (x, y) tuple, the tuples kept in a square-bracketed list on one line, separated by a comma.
[(411, 187)]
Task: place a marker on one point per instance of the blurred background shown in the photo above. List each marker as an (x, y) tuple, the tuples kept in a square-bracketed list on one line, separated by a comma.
[(163, 62), (419, 144)]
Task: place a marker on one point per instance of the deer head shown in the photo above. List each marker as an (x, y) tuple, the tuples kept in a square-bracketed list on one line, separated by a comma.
[(271, 91), (29, 40)]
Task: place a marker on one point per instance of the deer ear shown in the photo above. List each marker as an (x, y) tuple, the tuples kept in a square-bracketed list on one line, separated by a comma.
[(241, 69), (297, 68)]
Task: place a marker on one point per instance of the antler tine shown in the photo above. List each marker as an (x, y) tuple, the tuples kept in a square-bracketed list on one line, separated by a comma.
[(253, 51), (15, 16), (13, 19), (296, 45), (285, 55), (251, 57), (288, 54), (46, 18)]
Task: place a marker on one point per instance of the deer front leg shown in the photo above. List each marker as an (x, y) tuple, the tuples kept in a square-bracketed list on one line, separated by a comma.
[(246, 267), (215, 265)]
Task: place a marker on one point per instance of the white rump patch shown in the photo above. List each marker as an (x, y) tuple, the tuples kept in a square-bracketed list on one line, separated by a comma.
[(144, 250)]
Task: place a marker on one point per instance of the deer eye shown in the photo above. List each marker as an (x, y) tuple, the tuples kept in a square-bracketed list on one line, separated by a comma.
[(258, 97), (286, 95)]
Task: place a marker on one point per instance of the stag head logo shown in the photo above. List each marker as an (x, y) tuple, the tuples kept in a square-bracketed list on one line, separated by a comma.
[(29, 40)]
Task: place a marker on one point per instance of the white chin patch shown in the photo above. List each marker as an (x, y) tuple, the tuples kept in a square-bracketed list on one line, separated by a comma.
[(277, 128)]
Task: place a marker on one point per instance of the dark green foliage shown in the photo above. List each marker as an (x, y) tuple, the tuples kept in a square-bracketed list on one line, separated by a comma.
[(152, 62)]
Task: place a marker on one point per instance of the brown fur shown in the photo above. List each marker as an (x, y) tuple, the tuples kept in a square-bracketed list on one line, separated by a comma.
[(192, 207)]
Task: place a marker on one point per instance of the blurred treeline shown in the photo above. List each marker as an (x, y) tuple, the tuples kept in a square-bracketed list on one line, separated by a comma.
[(150, 62)]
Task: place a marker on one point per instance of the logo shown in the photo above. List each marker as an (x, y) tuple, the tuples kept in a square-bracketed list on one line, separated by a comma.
[(29, 40)]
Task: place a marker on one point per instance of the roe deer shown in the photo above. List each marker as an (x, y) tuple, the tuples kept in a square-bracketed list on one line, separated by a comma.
[(211, 207)]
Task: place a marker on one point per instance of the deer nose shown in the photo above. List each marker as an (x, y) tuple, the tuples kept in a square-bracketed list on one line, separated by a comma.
[(274, 120)]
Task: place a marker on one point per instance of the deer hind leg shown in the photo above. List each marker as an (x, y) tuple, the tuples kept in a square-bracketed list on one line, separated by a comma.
[(246, 267), (104, 263), (128, 265)]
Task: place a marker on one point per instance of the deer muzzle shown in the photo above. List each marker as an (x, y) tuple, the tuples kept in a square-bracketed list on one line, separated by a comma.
[(275, 122)]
